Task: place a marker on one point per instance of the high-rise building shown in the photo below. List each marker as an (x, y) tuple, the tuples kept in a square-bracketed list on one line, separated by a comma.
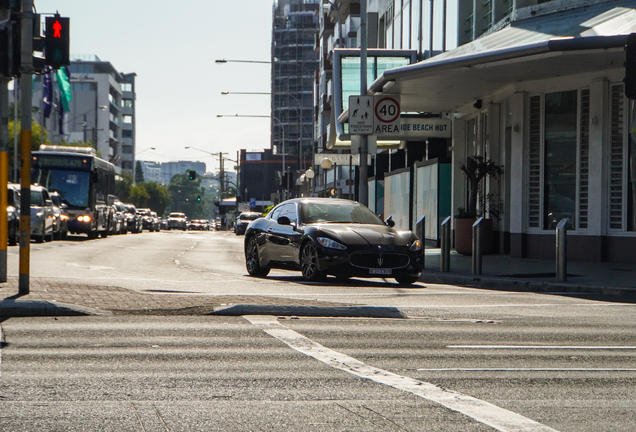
[(101, 111), (294, 63)]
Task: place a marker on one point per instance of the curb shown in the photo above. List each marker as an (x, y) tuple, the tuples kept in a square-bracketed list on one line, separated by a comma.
[(30, 308), (525, 286), (317, 311)]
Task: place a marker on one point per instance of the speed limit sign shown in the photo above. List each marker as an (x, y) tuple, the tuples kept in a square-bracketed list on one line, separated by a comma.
[(387, 114)]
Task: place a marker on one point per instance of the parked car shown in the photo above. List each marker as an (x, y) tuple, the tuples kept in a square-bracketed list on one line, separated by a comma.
[(323, 236), (61, 217), (243, 220), (134, 223), (13, 214), (42, 214), (177, 220)]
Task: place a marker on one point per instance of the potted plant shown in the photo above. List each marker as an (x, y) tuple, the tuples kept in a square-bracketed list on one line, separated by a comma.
[(476, 168)]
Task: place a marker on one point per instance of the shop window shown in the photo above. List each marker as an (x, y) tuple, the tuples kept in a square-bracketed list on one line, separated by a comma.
[(558, 159)]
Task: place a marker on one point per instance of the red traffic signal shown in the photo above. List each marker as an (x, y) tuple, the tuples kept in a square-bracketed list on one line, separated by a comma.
[(57, 45)]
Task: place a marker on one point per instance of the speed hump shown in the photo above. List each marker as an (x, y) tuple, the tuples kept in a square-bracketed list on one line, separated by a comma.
[(386, 115)]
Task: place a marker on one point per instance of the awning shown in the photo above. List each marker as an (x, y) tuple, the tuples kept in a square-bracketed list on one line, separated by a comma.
[(576, 41)]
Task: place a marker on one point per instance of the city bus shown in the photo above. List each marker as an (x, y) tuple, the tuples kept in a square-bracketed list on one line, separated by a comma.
[(85, 183)]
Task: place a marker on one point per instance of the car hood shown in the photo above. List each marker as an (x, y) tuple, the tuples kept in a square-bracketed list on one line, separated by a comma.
[(364, 234)]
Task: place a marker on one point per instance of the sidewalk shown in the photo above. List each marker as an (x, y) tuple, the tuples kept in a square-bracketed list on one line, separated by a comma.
[(525, 274), (55, 298), (500, 272)]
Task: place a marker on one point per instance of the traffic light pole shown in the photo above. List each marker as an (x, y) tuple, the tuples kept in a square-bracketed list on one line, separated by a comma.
[(26, 74), (363, 185), (4, 174)]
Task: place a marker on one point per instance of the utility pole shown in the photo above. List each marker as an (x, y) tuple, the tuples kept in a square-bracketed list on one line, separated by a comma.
[(4, 174), (26, 74), (364, 141)]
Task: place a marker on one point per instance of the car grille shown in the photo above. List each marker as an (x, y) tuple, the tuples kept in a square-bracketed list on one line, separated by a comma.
[(377, 260)]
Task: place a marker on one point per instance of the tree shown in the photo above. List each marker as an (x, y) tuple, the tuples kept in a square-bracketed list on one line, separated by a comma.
[(188, 196), (139, 173), (123, 186)]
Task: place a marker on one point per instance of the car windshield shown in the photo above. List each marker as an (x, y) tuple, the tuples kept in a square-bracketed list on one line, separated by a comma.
[(332, 212), (249, 216), (36, 199), (176, 215), (73, 186)]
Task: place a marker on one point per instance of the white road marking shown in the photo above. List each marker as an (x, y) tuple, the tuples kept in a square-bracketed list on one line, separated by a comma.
[(542, 347), (89, 267), (177, 262), (483, 412), (528, 370)]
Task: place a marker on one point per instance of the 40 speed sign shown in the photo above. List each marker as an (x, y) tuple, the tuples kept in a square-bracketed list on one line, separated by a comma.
[(386, 114)]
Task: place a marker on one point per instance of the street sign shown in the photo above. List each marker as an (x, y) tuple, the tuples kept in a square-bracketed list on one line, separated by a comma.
[(386, 114), (361, 115), (252, 203)]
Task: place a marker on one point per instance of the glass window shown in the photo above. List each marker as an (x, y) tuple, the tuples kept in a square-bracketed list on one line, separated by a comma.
[(560, 157), (127, 119), (631, 169), (73, 186)]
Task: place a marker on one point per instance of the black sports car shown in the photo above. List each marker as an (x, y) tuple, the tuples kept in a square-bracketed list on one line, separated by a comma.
[(324, 236)]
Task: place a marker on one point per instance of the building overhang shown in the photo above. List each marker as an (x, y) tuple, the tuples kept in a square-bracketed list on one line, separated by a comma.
[(567, 43)]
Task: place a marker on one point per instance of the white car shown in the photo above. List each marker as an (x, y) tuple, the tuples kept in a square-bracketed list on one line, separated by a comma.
[(42, 214)]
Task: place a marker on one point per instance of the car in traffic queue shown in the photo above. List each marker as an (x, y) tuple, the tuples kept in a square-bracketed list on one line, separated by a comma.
[(61, 217), (147, 219), (177, 220), (134, 223), (243, 220), (119, 218), (155, 221), (42, 214), (338, 237), (13, 214)]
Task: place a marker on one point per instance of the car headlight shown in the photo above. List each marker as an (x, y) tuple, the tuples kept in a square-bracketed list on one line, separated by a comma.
[(331, 244), (39, 214), (416, 246), (84, 218)]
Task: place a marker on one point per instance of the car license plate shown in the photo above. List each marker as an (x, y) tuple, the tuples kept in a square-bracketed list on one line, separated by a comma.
[(380, 271)]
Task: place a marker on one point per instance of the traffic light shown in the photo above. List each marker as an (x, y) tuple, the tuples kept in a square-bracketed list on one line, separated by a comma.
[(192, 174), (630, 66), (198, 198), (57, 40)]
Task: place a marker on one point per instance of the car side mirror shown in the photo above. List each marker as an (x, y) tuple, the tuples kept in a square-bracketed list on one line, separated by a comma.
[(48, 203), (283, 220), (389, 221), (63, 206)]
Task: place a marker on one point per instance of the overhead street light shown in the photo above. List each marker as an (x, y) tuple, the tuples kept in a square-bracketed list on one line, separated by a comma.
[(257, 93), (242, 61)]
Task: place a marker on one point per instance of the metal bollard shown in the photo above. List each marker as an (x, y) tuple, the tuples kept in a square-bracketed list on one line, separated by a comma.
[(444, 259), (477, 249), (562, 250), (419, 231)]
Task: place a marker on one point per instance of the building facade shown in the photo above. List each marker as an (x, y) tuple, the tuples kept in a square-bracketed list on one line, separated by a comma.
[(294, 61), (534, 86)]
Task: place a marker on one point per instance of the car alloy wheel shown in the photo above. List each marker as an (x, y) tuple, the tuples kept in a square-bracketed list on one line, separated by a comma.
[(251, 260), (309, 263)]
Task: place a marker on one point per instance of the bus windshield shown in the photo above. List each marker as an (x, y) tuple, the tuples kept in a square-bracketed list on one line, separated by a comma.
[(73, 186)]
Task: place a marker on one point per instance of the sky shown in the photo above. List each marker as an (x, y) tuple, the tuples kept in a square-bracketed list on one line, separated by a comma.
[(172, 47)]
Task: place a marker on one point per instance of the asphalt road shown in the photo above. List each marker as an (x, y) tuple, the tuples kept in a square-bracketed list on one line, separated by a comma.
[(465, 360)]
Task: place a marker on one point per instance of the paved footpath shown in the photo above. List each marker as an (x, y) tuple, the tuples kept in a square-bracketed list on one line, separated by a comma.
[(122, 300)]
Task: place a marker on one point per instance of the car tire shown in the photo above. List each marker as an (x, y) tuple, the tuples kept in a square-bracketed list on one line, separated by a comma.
[(407, 279), (252, 263), (309, 263)]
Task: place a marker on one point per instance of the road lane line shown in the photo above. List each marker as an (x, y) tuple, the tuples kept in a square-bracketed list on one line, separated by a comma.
[(529, 370), (541, 347), (481, 411)]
